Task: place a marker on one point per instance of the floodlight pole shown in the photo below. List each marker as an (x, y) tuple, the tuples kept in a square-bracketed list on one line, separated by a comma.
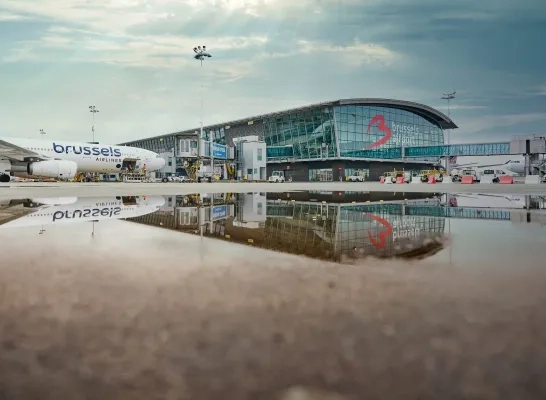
[(42, 132), (200, 54), (448, 97), (93, 110)]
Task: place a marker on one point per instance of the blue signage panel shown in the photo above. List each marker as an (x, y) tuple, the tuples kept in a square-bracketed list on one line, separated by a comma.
[(219, 151), (219, 212)]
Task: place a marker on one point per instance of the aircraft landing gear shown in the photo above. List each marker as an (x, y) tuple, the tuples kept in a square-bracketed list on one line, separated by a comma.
[(4, 178)]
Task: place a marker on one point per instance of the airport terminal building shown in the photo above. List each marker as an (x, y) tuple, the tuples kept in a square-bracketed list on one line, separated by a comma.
[(328, 141)]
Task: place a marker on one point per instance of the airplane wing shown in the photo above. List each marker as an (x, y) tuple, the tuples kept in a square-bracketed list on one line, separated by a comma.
[(474, 165), (12, 152), (492, 165)]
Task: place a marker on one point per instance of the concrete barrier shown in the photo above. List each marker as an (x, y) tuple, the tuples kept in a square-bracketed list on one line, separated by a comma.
[(486, 179), (447, 179), (388, 180), (467, 179), (506, 179), (532, 179), (415, 179)]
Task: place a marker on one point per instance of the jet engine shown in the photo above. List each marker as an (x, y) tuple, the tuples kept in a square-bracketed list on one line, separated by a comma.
[(53, 169)]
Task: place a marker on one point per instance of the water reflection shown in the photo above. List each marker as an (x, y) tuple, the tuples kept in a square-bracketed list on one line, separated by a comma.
[(356, 225), (63, 210), (334, 225)]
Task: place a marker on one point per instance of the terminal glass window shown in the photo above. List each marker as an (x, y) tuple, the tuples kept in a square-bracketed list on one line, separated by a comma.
[(364, 172), (358, 227), (304, 134), (320, 175), (361, 130)]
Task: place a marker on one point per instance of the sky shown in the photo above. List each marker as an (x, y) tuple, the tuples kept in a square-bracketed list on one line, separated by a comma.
[(133, 60)]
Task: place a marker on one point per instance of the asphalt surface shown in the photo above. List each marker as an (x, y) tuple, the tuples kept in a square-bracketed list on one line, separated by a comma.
[(28, 190), (147, 318)]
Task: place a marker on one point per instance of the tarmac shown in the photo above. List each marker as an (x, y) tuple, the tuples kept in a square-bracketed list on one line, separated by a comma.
[(143, 313), (176, 317), (67, 189)]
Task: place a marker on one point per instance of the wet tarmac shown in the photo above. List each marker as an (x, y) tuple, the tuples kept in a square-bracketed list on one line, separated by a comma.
[(58, 189), (300, 295)]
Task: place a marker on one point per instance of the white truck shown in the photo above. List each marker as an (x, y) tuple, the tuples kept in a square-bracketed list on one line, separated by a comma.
[(476, 177), (457, 174), (276, 177), (175, 178), (358, 176)]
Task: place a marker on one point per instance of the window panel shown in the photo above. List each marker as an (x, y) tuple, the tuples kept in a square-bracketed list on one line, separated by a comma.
[(407, 129)]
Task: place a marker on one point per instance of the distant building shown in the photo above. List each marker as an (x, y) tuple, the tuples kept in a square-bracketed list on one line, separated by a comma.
[(331, 140)]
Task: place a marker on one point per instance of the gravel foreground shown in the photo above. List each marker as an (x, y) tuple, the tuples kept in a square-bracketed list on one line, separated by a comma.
[(311, 330)]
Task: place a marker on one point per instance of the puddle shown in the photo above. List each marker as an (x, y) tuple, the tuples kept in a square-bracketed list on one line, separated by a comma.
[(182, 296), (334, 226)]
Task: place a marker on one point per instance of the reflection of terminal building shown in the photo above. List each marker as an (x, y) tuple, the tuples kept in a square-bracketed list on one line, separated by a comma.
[(333, 225), (358, 226)]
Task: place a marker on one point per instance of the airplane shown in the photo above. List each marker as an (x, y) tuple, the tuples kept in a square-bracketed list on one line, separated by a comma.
[(63, 159), (510, 166), (500, 201), (63, 210)]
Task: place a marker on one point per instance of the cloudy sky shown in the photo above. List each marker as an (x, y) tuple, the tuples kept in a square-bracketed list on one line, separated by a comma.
[(132, 59)]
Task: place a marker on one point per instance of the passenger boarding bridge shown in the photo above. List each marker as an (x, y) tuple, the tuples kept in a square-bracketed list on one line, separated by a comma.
[(518, 145)]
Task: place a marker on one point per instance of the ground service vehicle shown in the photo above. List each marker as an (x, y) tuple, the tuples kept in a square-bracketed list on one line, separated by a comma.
[(276, 177), (358, 176)]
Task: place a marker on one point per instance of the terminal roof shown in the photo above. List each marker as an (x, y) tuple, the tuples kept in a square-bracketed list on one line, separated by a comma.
[(425, 111)]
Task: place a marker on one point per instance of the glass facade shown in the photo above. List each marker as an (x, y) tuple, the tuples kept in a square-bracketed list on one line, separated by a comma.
[(380, 132), (321, 175), (218, 133), (306, 134), (322, 132), (362, 132), (364, 172), (158, 145)]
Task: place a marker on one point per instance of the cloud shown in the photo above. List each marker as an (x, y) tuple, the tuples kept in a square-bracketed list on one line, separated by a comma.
[(134, 59), (540, 91), (146, 51), (105, 16), (4, 17), (458, 107), (354, 54)]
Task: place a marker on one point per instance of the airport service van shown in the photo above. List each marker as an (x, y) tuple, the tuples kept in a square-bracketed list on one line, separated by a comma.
[(276, 177)]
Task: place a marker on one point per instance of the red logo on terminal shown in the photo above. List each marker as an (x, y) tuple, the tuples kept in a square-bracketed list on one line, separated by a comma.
[(382, 127), (383, 235)]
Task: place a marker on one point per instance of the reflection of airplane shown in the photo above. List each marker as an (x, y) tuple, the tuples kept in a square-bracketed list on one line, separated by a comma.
[(60, 159), (485, 200), (84, 209), (510, 166)]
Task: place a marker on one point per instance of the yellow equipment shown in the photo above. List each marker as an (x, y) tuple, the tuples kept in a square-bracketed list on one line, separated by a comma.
[(437, 173), (230, 170), (192, 168)]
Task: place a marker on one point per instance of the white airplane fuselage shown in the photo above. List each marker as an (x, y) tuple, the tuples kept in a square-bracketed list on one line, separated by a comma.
[(511, 166), (74, 157), (486, 201), (517, 167), (56, 211)]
